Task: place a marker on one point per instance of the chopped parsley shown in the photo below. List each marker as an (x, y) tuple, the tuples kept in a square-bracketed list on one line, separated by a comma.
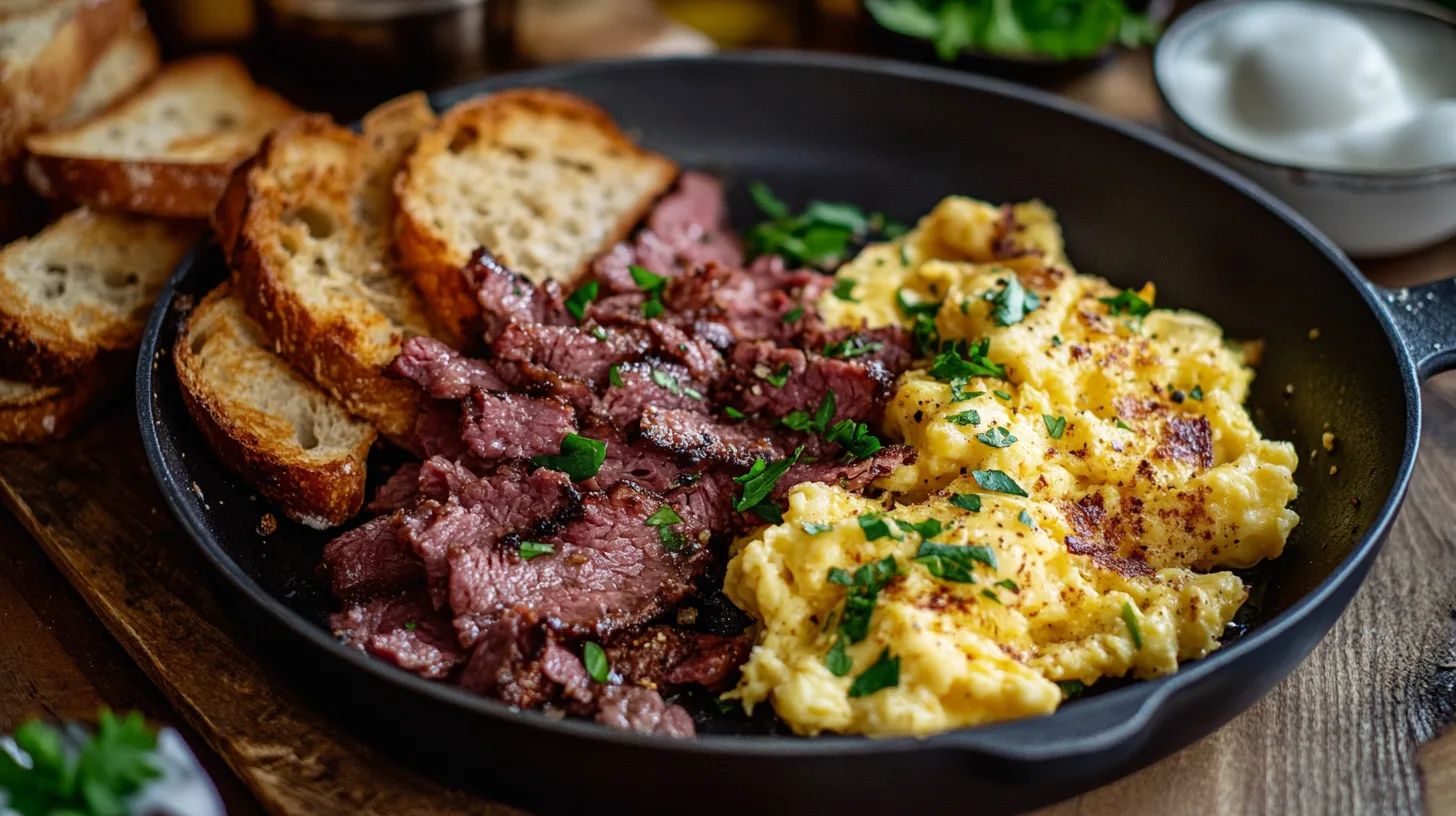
[(915, 308), (614, 375), (958, 395), (924, 337), (577, 302), (672, 386), (821, 236), (961, 361), (1197, 393), (672, 540), (734, 413), (595, 659), (767, 203), (1007, 583), (1056, 340), (651, 283), (1025, 518), (759, 482), (996, 481), (1127, 302), (815, 529), (837, 661), (883, 674), (1055, 426), (928, 529), (970, 417), (997, 437), (1123, 425), (110, 767), (844, 290), (1071, 688), (855, 437), (864, 590), (533, 549), (953, 562), (876, 526), (794, 315), (580, 457), (852, 346), (1011, 305), (1002, 395), (598, 332), (1130, 617), (817, 422), (966, 501), (775, 378), (990, 594), (410, 626)]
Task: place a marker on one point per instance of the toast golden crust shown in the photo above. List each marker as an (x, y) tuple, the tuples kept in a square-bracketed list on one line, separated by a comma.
[(250, 436), (37, 94), (577, 140), (31, 415), (182, 178), (314, 272), (127, 62)]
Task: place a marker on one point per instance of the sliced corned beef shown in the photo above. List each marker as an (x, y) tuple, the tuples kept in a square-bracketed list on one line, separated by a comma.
[(860, 389), (638, 386), (510, 426), (671, 656), (506, 297), (643, 711), (852, 476), (372, 559), (890, 345), (567, 351), (443, 372), (404, 630), (697, 437)]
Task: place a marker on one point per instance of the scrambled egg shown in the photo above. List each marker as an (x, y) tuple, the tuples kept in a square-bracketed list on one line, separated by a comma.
[(1073, 501)]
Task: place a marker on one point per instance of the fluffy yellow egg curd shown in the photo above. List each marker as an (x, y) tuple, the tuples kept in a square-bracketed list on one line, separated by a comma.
[(1084, 461)]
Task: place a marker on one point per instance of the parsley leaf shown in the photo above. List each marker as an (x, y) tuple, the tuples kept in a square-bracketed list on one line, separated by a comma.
[(856, 438), (1123, 425), (1002, 395), (911, 308), (852, 346), (760, 479), (837, 661), (997, 437), (1127, 301), (1007, 583), (966, 501), (1011, 305), (580, 457), (864, 590), (614, 375), (960, 360), (998, 482), (792, 316), (883, 674), (924, 337), (410, 626), (1056, 340), (990, 594), (1197, 392), (734, 413), (1071, 688), (577, 302), (112, 765), (775, 378), (1025, 518), (818, 422), (768, 203), (666, 381), (1055, 426), (651, 283), (953, 562), (595, 659), (533, 549), (959, 395), (1134, 628), (876, 526), (970, 417), (930, 528), (672, 540), (815, 529), (844, 290)]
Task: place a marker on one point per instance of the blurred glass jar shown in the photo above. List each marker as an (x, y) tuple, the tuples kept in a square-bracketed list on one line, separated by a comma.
[(381, 48)]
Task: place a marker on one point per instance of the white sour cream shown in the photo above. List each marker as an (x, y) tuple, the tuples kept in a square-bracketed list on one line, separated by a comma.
[(1321, 86)]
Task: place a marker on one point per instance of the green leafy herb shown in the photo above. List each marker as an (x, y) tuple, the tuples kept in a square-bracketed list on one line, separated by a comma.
[(1071, 688), (864, 590), (876, 526), (815, 529), (852, 346), (768, 203), (953, 562), (111, 767), (924, 337), (837, 661), (1123, 425), (1196, 393), (844, 290), (760, 479), (668, 382), (961, 361), (1127, 302), (1056, 340), (734, 413), (991, 594), (1130, 617), (577, 302), (651, 283), (966, 501), (1007, 583), (794, 315), (855, 437), (1002, 395), (883, 674), (1012, 303), (598, 332), (997, 437), (595, 659), (998, 482), (970, 417), (958, 394), (1055, 426), (1025, 518), (928, 529), (533, 549), (614, 375), (580, 457), (410, 626), (775, 378), (913, 308), (817, 422), (1059, 30), (672, 540)]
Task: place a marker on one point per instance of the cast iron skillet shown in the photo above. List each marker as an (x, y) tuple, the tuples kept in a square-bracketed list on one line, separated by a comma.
[(898, 137)]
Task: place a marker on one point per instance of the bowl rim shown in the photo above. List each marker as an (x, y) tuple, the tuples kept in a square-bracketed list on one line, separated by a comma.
[(1205, 13)]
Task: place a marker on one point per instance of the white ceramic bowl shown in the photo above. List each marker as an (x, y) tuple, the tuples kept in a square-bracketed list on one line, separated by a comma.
[(1368, 214)]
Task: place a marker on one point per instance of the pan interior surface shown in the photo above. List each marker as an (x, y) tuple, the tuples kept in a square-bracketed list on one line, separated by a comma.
[(898, 139)]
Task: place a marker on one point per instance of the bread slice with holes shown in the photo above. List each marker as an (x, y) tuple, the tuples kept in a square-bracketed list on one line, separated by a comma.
[(543, 179), (32, 414), (168, 150), (81, 289), (130, 60), (307, 224), (47, 49), (265, 421)]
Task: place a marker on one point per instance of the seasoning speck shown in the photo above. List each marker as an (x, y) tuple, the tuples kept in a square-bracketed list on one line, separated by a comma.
[(267, 524)]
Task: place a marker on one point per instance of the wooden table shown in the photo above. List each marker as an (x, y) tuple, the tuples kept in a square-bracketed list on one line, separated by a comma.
[(1347, 732)]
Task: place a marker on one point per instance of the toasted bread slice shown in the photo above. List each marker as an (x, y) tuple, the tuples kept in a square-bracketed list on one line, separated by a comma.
[(267, 422), (543, 179), (82, 288), (31, 414), (47, 49), (307, 222), (131, 58), (168, 149)]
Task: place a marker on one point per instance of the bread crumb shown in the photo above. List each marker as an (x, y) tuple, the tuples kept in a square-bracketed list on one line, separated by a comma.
[(1313, 455), (1334, 470), (1314, 334), (687, 616), (267, 524), (1327, 439)]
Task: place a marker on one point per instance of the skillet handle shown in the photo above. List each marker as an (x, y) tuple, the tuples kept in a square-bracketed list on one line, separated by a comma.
[(1425, 319)]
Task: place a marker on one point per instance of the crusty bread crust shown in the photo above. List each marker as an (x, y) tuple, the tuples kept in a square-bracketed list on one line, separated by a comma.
[(131, 58), (319, 494), (153, 185), (430, 255), (312, 166), (38, 94), (49, 413)]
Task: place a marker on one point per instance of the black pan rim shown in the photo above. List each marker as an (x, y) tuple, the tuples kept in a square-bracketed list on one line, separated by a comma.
[(1144, 697)]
